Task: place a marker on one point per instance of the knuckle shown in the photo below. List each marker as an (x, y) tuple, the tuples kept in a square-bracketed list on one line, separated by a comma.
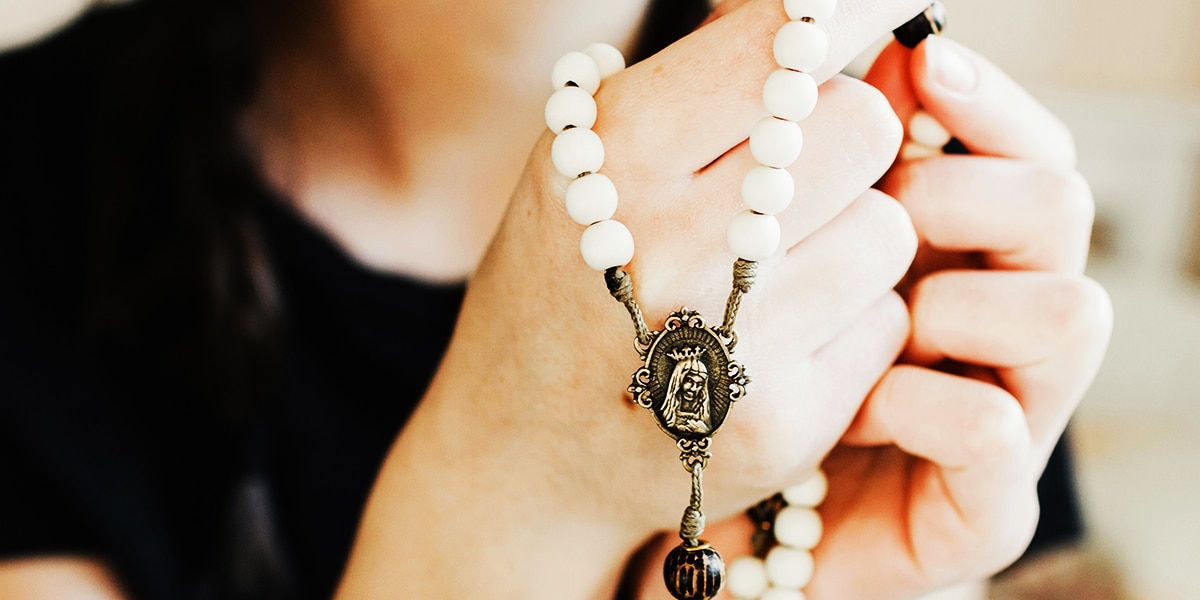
[(880, 129), (997, 429), (1068, 194), (892, 228), (1079, 306)]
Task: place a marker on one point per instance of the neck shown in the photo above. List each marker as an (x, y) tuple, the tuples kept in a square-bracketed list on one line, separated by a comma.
[(400, 127)]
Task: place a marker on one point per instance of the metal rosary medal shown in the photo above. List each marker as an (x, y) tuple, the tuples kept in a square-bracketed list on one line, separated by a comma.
[(689, 381)]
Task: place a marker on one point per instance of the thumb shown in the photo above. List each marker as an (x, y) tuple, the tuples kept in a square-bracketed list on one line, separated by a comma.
[(984, 108)]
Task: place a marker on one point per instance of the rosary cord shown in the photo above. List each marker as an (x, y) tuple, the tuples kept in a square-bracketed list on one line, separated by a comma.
[(744, 272), (620, 285), (693, 516)]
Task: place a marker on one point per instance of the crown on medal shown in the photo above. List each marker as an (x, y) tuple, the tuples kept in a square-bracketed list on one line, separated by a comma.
[(687, 353)]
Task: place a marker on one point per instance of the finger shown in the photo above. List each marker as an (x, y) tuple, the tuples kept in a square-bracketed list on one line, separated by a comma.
[(984, 108), (1044, 333), (976, 492), (1019, 214), (891, 74), (676, 112), (851, 140), (840, 374), (834, 275)]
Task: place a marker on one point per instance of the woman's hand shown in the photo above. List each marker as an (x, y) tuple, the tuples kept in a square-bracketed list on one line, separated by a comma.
[(526, 472), (935, 481)]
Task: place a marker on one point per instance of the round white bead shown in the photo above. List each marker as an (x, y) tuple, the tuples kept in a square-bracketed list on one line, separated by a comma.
[(782, 594), (591, 199), (607, 57), (789, 568), (817, 10), (746, 577), (801, 46), (768, 190), (605, 245), (798, 527), (577, 151), (753, 236), (577, 68), (925, 130), (790, 95), (570, 107), (775, 142), (808, 494)]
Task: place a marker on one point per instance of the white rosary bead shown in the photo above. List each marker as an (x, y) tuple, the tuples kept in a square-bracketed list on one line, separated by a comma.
[(591, 199), (926, 131), (817, 10), (801, 46), (789, 568), (577, 68), (808, 494), (746, 577), (576, 152), (798, 527), (782, 594), (914, 151), (570, 107), (775, 142), (790, 95), (768, 190), (605, 245), (752, 236), (608, 58)]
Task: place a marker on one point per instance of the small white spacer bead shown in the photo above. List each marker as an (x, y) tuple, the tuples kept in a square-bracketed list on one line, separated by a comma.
[(775, 142), (752, 236), (808, 494), (817, 10), (927, 131), (790, 95), (746, 577), (608, 58), (915, 151), (801, 46), (768, 190), (570, 107), (798, 527), (577, 68), (591, 199), (789, 568), (576, 152), (782, 594), (605, 245)]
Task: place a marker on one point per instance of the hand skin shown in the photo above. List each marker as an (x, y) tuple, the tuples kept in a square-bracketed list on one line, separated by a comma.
[(525, 472), (935, 481)]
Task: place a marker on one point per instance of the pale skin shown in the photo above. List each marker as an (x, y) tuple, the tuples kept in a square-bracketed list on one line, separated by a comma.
[(550, 493)]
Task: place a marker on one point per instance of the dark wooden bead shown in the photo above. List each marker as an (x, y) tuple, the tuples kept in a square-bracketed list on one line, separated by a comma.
[(930, 22), (694, 573)]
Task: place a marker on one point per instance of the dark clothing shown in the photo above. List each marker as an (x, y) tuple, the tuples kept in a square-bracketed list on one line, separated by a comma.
[(206, 439)]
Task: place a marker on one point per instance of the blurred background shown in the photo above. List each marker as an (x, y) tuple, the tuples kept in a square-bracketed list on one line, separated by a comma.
[(1126, 79)]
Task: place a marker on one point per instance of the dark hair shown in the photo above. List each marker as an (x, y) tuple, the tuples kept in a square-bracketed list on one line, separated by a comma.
[(178, 267)]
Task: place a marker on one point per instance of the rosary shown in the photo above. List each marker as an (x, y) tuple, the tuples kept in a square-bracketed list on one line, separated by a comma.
[(689, 379)]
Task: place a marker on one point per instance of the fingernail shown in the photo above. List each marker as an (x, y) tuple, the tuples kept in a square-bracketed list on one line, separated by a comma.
[(949, 67)]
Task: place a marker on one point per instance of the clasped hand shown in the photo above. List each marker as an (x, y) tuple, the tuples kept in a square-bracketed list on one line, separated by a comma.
[(927, 333)]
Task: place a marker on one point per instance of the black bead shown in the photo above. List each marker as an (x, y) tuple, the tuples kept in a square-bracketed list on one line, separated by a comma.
[(694, 573), (930, 22)]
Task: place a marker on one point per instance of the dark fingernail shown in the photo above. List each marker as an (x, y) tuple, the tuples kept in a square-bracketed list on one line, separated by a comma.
[(949, 68)]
